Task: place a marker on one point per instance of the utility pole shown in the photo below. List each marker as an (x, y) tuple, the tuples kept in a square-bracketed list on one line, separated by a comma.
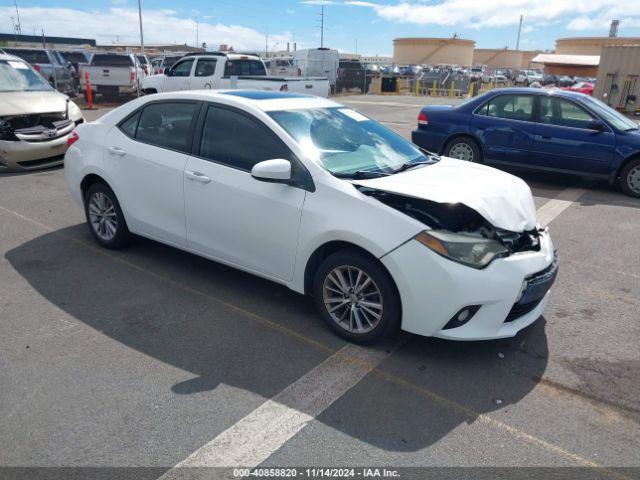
[(322, 25), (140, 21), (197, 39), (44, 43), (519, 30), (18, 26), (356, 46), (266, 44)]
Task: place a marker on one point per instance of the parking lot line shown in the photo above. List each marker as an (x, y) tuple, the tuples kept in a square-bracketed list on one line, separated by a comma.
[(554, 207), (257, 436), (363, 363)]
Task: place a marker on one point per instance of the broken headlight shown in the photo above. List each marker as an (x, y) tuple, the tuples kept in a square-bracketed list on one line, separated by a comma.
[(6, 131), (470, 250)]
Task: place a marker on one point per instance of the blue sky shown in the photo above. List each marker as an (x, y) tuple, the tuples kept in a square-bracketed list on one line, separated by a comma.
[(372, 23)]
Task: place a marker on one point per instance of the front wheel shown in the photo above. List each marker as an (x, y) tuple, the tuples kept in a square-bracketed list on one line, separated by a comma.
[(105, 218), (629, 180), (463, 149), (356, 297)]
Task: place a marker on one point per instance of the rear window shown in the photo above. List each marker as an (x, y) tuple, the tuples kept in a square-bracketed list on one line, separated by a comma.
[(30, 56), (142, 59), (244, 67), (111, 61)]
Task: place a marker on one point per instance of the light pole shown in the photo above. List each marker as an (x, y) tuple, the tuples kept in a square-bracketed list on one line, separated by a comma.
[(141, 46)]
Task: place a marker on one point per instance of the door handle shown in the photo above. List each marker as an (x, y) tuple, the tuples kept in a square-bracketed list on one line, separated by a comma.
[(544, 137), (197, 176), (116, 151)]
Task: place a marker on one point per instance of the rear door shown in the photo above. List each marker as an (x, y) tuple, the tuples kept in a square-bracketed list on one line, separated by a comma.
[(563, 139), (204, 75), (230, 215), (146, 154), (505, 126)]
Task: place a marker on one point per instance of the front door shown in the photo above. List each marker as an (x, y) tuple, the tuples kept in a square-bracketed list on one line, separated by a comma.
[(179, 77), (564, 141), (232, 216)]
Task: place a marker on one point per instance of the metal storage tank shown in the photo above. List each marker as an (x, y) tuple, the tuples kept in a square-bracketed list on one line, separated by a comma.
[(618, 83), (497, 58), (433, 51), (590, 45)]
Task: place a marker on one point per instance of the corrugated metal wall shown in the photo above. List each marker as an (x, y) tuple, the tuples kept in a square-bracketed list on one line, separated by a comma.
[(618, 83)]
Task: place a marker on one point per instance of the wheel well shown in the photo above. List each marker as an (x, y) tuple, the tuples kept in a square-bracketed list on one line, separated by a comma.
[(330, 248), (463, 135), (89, 180), (626, 161)]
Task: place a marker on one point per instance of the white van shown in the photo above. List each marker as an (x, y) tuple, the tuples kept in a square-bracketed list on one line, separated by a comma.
[(317, 62)]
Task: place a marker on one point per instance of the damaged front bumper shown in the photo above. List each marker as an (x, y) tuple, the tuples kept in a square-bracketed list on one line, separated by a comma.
[(503, 298)]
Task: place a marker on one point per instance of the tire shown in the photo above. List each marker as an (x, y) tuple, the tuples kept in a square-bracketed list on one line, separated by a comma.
[(101, 203), (464, 148), (376, 322), (629, 180)]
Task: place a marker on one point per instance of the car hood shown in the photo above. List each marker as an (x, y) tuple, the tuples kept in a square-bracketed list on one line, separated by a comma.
[(502, 199), (24, 103)]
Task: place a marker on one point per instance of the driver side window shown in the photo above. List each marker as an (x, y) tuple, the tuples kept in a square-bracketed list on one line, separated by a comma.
[(182, 69)]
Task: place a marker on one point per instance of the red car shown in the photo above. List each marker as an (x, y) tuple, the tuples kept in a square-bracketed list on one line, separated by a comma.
[(582, 87)]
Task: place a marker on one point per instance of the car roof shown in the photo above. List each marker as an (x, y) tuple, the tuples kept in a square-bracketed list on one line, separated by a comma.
[(8, 56), (259, 99), (539, 91)]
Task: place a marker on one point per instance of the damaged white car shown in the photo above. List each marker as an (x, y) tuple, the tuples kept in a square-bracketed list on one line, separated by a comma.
[(311, 194)]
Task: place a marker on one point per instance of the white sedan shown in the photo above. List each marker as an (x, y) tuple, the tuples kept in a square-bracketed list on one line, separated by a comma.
[(314, 195)]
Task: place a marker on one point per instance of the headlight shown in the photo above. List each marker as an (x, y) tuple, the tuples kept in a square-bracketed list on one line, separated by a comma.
[(74, 111), (466, 249)]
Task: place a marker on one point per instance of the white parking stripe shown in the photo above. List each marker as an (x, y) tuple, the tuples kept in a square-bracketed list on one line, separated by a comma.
[(254, 438), (550, 210)]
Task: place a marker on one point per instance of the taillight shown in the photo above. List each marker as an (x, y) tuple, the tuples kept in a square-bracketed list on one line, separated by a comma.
[(422, 119), (72, 138), (132, 77), (284, 88), (160, 71), (146, 70), (37, 68)]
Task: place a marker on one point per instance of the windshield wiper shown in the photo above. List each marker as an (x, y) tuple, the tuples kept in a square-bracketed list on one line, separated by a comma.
[(408, 165), (361, 174)]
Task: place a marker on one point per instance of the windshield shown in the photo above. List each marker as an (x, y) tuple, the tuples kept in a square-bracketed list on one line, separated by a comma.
[(608, 114), (345, 142), (17, 76)]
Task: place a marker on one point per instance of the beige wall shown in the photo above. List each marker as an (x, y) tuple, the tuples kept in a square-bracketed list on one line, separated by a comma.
[(590, 45), (447, 51), (498, 58), (619, 65)]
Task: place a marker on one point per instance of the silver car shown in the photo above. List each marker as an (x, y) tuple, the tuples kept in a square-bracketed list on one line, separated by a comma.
[(35, 119)]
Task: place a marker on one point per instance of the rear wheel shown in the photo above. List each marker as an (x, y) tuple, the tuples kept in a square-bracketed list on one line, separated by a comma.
[(105, 218), (356, 297), (629, 180), (464, 149)]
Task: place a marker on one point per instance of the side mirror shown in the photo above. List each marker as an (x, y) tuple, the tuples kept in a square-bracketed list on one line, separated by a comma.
[(167, 72), (596, 125), (277, 170)]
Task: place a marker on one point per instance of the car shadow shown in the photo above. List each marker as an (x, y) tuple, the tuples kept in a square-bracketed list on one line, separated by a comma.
[(158, 300)]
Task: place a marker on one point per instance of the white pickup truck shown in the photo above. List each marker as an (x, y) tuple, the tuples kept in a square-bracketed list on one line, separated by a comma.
[(112, 74), (228, 70)]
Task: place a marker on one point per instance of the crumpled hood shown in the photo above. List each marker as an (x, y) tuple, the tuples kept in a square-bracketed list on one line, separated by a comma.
[(24, 103), (501, 198)]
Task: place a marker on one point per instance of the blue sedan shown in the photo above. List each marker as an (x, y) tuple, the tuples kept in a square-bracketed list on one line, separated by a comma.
[(552, 130)]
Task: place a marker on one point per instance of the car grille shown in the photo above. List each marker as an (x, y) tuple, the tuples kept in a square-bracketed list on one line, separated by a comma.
[(41, 161), (38, 127), (538, 286)]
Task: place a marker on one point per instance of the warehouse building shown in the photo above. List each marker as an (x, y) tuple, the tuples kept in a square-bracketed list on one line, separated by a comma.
[(618, 84), (433, 51), (43, 41), (571, 65)]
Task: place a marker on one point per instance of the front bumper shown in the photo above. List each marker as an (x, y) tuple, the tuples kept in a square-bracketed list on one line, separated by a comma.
[(21, 155), (433, 289)]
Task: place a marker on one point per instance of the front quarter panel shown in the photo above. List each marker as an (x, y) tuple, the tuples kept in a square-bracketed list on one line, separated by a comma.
[(337, 211)]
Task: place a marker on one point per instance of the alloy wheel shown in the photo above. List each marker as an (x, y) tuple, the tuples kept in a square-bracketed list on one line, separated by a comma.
[(461, 151), (102, 215), (352, 299), (633, 179)]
